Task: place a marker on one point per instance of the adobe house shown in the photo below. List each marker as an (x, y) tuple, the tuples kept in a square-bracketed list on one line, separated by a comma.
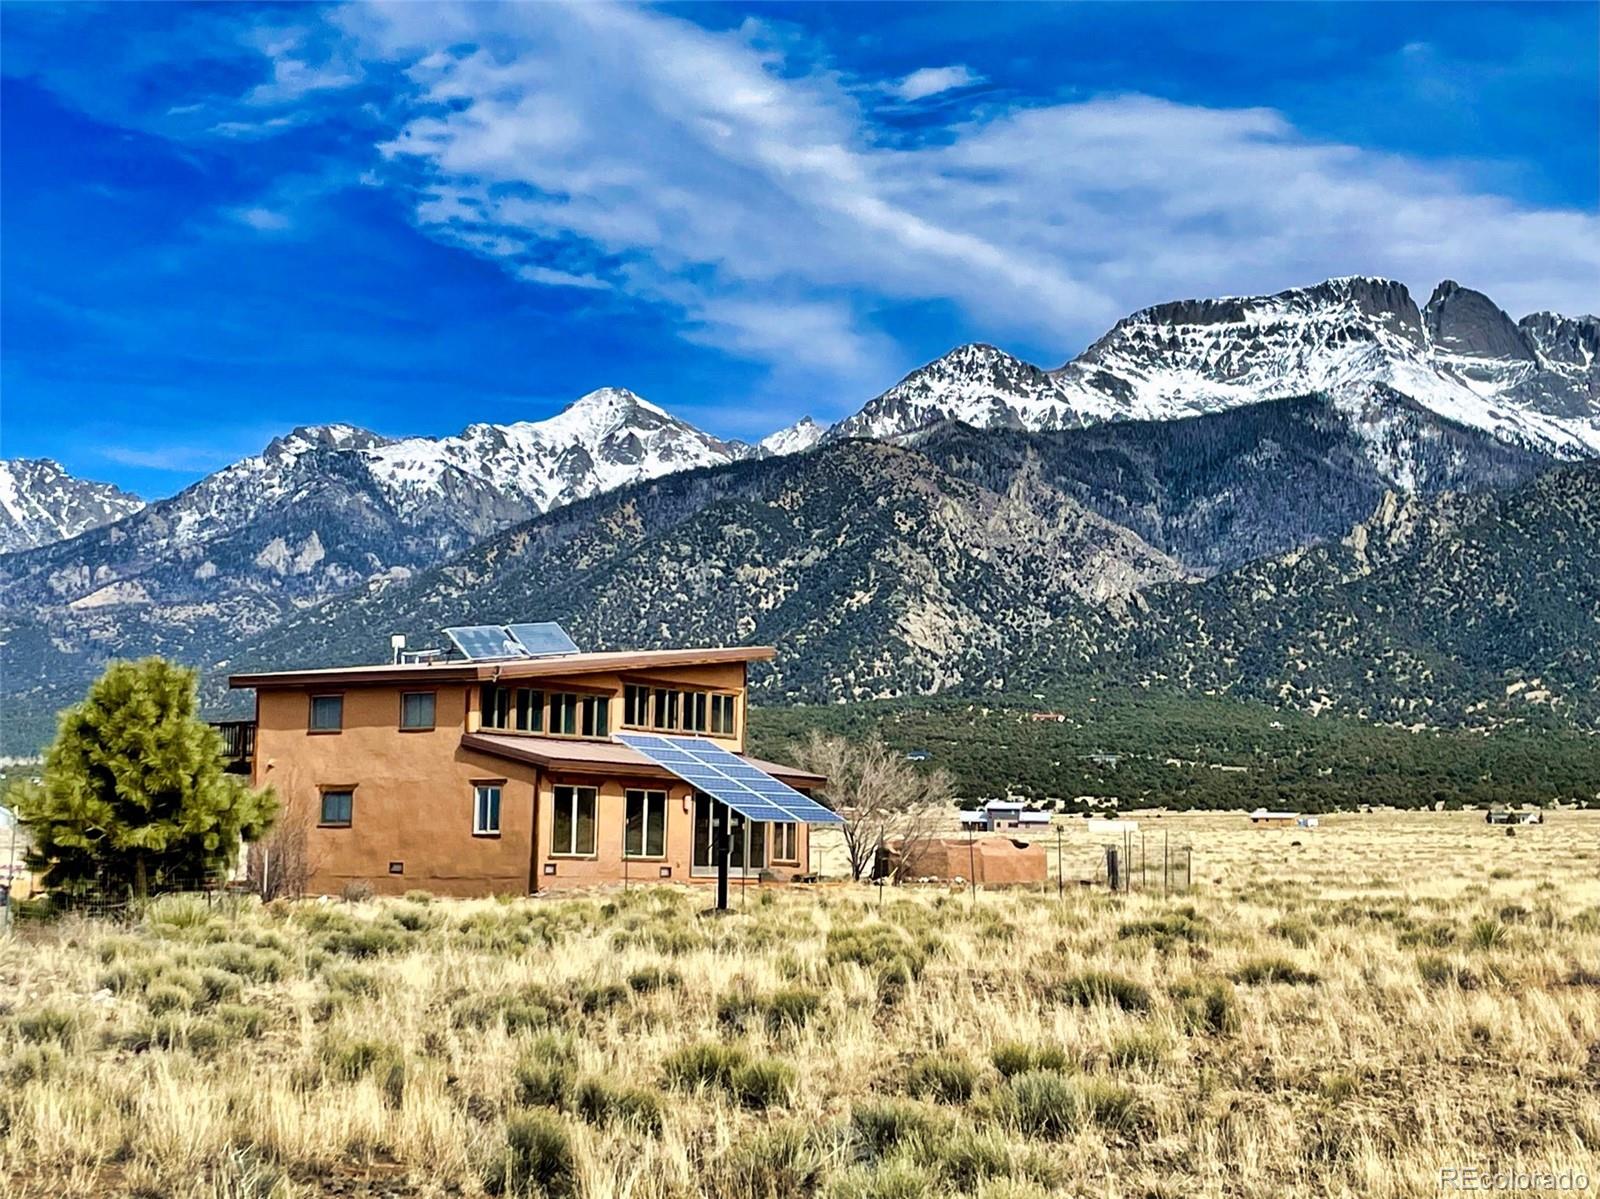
[(518, 764)]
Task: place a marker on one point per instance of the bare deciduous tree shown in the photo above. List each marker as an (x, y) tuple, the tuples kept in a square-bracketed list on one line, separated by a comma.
[(882, 797), (280, 865)]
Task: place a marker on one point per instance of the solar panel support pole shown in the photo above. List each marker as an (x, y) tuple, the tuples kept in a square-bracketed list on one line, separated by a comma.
[(719, 849)]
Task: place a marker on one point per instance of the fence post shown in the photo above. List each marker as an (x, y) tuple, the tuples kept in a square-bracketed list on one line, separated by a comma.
[(1061, 879)]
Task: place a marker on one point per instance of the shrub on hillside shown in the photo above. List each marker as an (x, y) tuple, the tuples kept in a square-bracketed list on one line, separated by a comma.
[(946, 1078), (1098, 986), (537, 1157)]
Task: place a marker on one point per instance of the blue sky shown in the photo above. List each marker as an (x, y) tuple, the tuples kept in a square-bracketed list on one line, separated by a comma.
[(221, 221)]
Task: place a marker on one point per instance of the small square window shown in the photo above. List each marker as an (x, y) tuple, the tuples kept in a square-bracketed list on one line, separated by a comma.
[(416, 710), (337, 808), (327, 713)]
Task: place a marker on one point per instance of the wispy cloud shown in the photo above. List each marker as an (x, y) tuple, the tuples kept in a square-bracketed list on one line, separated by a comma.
[(703, 171), (264, 220), (175, 459), (931, 81), (754, 196)]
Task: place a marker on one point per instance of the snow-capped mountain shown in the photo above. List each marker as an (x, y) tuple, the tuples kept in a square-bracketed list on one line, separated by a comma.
[(796, 439), (607, 438), (40, 503), (1534, 382), (978, 385), (321, 511)]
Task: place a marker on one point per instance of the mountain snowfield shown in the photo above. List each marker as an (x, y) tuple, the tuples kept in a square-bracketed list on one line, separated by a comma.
[(1534, 383), (40, 503)]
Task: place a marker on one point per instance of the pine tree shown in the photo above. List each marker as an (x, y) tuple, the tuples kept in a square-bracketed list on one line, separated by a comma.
[(134, 795)]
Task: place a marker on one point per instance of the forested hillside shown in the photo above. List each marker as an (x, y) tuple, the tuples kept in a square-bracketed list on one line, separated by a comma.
[(1154, 748)]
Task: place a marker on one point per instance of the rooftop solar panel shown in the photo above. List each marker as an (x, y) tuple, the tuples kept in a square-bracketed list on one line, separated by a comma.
[(542, 638), (747, 789), (480, 641)]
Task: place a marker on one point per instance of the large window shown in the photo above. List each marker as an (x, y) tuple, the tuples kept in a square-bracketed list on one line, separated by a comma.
[(580, 715), (327, 713), (646, 833), (785, 842), (676, 708), (338, 807), (573, 826), (512, 708), (416, 710), (486, 810)]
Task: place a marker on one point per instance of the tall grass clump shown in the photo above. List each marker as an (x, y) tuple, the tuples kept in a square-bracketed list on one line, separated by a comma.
[(1208, 1005), (537, 1158), (1274, 970), (943, 1077), (1098, 986)]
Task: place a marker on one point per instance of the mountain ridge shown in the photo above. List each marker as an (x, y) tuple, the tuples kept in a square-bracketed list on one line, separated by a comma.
[(41, 502)]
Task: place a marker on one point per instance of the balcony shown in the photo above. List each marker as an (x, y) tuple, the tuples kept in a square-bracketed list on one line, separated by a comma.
[(238, 743)]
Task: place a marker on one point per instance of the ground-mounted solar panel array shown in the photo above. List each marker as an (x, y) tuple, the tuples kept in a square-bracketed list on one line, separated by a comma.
[(490, 642), (747, 789)]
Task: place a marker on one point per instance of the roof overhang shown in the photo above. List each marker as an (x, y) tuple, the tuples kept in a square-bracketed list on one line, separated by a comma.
[(557, 754), (513, 668)]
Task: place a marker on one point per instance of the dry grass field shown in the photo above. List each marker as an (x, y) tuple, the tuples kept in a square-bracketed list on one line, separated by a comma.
[(1397, 995)]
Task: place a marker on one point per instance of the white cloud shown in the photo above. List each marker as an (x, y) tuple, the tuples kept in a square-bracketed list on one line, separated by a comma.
[(930, 81), (264, 220), (177, 459), (703, 172)]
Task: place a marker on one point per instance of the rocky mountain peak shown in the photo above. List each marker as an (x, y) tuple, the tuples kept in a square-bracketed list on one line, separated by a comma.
[(40, 503), (795, 439), (1462, 321), (1572, 341), (303, 438)]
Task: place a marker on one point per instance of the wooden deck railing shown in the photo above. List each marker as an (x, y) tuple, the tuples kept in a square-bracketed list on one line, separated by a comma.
[(238, 742)]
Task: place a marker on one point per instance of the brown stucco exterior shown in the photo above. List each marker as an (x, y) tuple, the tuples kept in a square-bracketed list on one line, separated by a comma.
[(413, 790)]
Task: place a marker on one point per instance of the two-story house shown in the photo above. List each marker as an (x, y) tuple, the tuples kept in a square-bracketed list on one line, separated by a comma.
[(502, 771)]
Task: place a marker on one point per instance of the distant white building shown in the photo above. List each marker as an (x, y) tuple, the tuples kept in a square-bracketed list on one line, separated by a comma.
[(1265, 819), (1000, 814)]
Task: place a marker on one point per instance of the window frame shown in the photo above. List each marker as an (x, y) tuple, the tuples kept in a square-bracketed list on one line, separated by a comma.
[(488, 707), (557, 703), (433, 695), (328, 789), (729, 701), (594, 716), (535, 709), (311, 712), (661, 707), (790, 830), (576, 789), (635, 706), (644, 831), (478, 787)]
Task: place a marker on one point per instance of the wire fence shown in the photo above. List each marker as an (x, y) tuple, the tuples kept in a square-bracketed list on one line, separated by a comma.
[(119, 904), (1133, 864)]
